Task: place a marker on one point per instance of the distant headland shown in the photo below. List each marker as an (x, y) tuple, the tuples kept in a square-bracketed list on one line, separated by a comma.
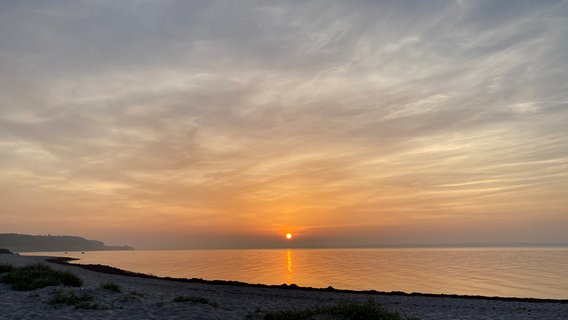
[(37, 243)]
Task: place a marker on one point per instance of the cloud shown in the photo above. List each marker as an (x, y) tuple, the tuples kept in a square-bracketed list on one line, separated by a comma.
[(261, 115)]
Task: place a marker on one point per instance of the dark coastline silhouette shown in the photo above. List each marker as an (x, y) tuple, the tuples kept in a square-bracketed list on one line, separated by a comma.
[(37, 243)]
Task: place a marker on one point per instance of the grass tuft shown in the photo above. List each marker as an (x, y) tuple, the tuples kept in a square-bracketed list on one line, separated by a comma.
[(111, 287), (353, 311), (6, 268), (202, 300), (83, 301), (38, 276), (137, 294)]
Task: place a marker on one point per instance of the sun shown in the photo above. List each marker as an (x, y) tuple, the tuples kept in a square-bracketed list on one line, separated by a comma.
[(288, 236)]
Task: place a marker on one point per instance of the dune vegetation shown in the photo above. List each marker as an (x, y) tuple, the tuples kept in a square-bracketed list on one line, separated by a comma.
[(36, 276)]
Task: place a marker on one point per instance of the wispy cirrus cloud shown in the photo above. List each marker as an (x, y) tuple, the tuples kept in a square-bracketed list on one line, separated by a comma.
[(210, 115)]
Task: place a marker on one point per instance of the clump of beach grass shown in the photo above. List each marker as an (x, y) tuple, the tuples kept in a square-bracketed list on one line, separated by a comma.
[(111, 286), (133, 296), (6, 268), (202, 300), (137, 294), (38, 276), (352, 311), (82, 301)]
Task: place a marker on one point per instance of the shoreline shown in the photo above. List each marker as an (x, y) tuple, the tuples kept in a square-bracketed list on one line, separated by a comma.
[(143, 296), (116, 271)]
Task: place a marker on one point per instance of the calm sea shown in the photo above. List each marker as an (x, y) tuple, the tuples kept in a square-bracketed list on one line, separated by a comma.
[(505, 272)]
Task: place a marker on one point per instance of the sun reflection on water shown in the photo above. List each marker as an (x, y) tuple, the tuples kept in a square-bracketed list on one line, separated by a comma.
[(289, 270)]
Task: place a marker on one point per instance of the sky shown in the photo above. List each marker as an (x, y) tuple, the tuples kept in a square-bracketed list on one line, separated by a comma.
[(227, 124)]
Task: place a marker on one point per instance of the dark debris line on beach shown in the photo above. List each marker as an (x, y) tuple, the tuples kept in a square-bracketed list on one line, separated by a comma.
[(116, 271)]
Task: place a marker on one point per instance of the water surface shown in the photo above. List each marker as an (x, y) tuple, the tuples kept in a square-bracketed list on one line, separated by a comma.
[(505, 272)]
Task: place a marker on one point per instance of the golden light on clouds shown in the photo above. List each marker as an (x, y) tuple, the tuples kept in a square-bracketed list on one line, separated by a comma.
[(350, 123)]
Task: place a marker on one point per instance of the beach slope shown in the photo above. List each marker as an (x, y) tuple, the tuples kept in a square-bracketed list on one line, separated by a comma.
[(117, 296)]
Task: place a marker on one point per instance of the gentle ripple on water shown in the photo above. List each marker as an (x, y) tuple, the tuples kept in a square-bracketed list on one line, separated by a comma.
[(518, 272)]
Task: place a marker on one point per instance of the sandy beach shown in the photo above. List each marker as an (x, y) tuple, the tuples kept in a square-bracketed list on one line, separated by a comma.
[(154, 298)]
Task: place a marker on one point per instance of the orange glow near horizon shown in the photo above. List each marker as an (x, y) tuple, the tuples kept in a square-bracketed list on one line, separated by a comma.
[(225, 145)]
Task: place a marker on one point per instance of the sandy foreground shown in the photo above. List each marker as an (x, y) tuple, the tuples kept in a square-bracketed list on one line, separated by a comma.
[(145, 298)]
